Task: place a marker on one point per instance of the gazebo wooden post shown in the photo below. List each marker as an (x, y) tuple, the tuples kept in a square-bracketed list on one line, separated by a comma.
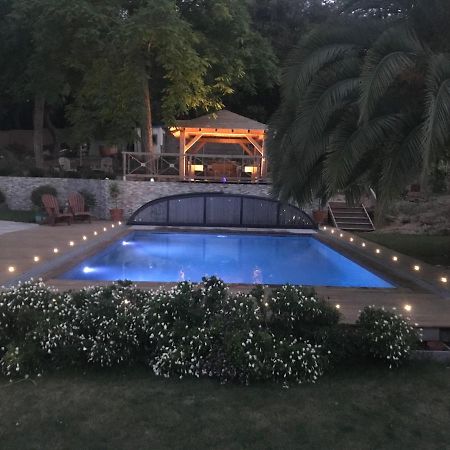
[(182, 162), (264, 159)]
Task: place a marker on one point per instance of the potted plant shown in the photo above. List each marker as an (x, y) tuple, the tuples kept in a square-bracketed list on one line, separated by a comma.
[(90, 201), (3, 204), (36, 198), (320, 214), (114, 193)]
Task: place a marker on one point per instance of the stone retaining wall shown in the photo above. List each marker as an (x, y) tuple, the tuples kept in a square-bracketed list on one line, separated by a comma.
[(134, 194)]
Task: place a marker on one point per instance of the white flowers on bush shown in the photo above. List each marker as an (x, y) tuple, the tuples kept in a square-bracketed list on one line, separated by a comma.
[(188, 330), (386, 335)]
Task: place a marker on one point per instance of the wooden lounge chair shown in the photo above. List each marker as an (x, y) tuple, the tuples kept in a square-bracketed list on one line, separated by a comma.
[(54, 213), (78, 208)]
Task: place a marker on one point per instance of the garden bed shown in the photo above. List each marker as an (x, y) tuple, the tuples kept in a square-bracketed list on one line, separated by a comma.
[(288, 335)]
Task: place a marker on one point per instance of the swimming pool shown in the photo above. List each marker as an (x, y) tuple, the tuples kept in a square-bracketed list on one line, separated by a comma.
[(235, 258)]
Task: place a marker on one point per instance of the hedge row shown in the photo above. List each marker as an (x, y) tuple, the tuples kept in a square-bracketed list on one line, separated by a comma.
[(288, 335)]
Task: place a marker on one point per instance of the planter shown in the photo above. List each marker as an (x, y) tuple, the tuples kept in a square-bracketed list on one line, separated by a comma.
[(116, 214), (320, 216), (40, 217)]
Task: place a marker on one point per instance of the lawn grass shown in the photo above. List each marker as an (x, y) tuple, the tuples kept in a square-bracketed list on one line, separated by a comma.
[(431, 249), (360, 408), (17, 216)]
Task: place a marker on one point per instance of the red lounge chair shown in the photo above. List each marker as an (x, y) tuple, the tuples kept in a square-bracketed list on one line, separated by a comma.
[(54, 213), (78, 208)]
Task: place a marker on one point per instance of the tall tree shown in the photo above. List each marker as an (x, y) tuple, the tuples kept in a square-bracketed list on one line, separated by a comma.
[(239, 56), (161, 56)]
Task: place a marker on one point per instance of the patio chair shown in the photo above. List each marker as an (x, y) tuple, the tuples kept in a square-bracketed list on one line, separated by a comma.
[(106, 165), (64, 164), (78, 208), (53, 211)]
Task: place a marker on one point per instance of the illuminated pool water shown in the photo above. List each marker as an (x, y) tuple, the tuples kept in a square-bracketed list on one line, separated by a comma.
[(235, 258)]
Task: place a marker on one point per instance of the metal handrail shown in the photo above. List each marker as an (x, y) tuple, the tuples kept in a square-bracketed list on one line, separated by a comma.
[(368, 216), (330, 210)]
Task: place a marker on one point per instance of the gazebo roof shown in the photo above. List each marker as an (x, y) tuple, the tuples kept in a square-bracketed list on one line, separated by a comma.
[(224, 120)]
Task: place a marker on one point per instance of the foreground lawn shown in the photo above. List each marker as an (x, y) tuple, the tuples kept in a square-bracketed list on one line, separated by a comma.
[(431, 249), (365, 408), (17, 216)]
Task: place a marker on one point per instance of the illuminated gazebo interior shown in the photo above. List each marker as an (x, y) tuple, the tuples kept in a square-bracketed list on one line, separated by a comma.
[(243, 159)]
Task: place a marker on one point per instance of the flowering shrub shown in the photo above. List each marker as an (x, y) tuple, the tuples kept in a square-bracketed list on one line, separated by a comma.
[(296, 361), (288, 336), (386, 336), (104, 324), (187, 356), (27, 313), (298, 311)]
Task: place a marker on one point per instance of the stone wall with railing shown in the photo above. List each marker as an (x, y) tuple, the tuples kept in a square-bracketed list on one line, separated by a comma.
[(133, 194)]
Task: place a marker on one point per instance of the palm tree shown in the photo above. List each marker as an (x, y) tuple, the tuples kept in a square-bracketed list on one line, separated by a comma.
[(365, 104)]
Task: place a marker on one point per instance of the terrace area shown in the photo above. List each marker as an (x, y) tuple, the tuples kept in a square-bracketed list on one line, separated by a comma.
[(420, 292)]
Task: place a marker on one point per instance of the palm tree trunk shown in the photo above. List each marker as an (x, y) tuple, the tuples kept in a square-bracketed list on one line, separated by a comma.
[(38, 129), (147, 129)]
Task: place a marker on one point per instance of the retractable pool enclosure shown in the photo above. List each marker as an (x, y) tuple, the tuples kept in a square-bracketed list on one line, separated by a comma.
[(221, 210)]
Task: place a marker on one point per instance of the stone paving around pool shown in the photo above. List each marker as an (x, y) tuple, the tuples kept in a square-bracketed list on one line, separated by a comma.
[(9, 227), (42, 246), (31, 252)]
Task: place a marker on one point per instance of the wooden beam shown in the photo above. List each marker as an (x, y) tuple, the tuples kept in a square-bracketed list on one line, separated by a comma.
[(224, 132), (182, 162), (198, 148), (213, 140), (264, 161), (192, 142), (246, 149), (256, 144)]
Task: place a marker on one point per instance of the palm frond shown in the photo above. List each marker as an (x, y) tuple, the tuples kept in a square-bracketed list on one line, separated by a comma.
[(392, 54), (349, 143), (401, 166), (436, 130), (324, 45)]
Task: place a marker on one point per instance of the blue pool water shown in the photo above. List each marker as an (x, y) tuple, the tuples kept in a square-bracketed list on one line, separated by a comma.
[(236, 258)]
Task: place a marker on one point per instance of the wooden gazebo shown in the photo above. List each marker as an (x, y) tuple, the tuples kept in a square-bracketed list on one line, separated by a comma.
[(222, 127)]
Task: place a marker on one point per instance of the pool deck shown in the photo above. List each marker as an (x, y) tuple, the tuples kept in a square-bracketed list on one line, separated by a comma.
[(417, 284)]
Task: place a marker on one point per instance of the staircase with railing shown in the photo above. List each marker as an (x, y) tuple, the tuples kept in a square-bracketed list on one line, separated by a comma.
[(350, 218)]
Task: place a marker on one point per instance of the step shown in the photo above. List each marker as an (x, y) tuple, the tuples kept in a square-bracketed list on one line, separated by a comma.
[(347, 218), (348, 226), (347, 210), (340, 212), (357, 228)]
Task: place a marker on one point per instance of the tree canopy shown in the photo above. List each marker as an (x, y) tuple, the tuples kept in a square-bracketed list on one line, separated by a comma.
[(112, 63), (365, 105)]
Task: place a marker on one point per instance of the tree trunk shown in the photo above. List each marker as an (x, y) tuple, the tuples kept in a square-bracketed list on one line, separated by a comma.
[(38, 129), (54, 132), (147, 129)]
